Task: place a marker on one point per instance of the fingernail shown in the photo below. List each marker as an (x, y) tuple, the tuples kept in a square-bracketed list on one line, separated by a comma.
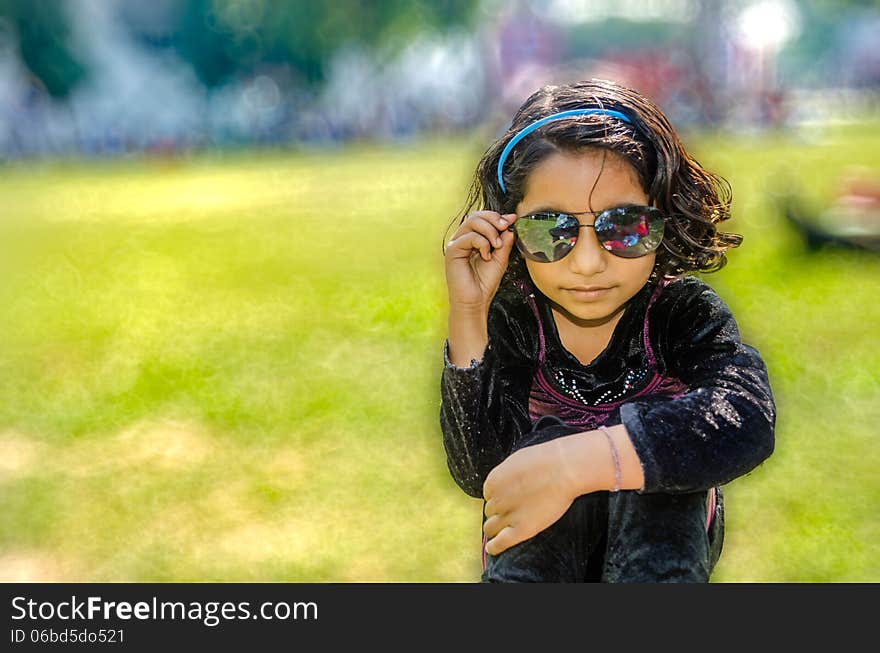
[(498, 242), (502, 222)]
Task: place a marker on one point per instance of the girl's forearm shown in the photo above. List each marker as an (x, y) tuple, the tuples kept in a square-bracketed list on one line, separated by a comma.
[(589, 462)]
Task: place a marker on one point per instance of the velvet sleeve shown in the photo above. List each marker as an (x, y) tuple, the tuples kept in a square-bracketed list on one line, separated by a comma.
[(723, 426), (484, 408)]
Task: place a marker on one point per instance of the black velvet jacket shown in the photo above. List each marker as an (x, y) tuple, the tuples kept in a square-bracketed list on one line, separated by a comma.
[(719, 428)]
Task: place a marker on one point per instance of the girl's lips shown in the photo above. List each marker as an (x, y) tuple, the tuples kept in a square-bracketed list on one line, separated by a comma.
[(587, 293)]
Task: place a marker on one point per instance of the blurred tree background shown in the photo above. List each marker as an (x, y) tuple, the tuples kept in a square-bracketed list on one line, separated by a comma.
[(42, 27), (221, 39), (224, 38)]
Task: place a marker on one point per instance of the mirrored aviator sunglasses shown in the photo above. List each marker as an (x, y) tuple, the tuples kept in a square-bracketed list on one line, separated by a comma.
[(625, 231)]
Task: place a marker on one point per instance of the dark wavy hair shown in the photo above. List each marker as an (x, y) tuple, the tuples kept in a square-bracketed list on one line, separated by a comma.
[(694, 200)]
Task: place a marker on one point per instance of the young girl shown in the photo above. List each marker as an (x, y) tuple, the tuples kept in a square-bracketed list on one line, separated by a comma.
[(593, 394)]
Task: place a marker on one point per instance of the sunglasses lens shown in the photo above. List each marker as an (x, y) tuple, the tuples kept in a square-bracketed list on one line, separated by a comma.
[(546, 239), (630, 232)]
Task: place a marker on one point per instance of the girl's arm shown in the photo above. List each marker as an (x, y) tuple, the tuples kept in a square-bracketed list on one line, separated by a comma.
[(484, 404), (534, 486), (723, 426)]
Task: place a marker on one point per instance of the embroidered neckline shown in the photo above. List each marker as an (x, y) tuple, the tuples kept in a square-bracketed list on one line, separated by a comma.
[(629, 382)]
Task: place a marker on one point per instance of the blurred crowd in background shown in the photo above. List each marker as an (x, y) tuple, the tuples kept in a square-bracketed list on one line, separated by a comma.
[(109, 77)]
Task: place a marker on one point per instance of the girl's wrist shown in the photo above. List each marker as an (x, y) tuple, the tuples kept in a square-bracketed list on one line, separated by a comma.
[(615, 457), (468, 337), (632, 473), (469, 311), (590, 463), (582, 463)]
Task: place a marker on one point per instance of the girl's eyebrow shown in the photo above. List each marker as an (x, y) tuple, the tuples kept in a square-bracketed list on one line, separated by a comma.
[(549, 209)]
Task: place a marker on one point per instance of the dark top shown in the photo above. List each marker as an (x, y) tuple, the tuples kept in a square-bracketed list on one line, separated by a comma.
[(695, 400)]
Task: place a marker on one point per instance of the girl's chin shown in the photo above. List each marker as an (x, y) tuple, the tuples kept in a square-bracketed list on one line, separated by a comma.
[(590, 314)]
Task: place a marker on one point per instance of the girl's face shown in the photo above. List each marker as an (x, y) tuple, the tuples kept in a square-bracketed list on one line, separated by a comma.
[(563, 182)]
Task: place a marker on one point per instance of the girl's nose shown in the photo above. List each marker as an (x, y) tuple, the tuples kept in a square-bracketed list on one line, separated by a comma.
[(588, 257)]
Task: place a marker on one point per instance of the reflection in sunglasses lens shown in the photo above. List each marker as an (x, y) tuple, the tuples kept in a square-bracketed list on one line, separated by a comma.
[(631, 232), (628, 232)]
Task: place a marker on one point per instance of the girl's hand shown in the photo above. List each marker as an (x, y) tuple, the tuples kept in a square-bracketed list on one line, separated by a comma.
[(526, 493), (476, 259)]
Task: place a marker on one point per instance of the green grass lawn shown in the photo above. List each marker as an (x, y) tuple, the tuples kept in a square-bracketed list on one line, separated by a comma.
[(226, 368)]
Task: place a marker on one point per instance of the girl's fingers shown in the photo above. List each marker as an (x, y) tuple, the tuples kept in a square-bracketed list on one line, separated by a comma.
[(498, 219), (488, 223), (506, 220), (505, 539), (463, 246), (493, 525), (496, 506), (486, 228)]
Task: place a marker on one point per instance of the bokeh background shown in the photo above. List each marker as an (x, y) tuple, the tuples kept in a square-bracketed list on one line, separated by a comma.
[(222, 299)]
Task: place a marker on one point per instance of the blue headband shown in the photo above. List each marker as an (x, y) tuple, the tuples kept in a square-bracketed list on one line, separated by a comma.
[(543, 121)]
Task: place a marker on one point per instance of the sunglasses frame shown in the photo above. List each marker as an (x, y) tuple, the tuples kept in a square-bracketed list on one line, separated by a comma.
[(600, 215)]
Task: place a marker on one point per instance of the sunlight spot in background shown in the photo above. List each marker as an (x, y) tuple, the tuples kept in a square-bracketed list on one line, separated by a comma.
[(170, 445), (768, 25), (18, 454), (31, 567), (262, 541), (163, 445)]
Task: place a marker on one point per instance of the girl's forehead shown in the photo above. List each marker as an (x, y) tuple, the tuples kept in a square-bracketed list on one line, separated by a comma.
[(570, 178)]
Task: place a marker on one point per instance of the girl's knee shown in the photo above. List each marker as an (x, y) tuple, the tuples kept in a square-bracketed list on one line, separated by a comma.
[(547, 557), (656, 538)]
